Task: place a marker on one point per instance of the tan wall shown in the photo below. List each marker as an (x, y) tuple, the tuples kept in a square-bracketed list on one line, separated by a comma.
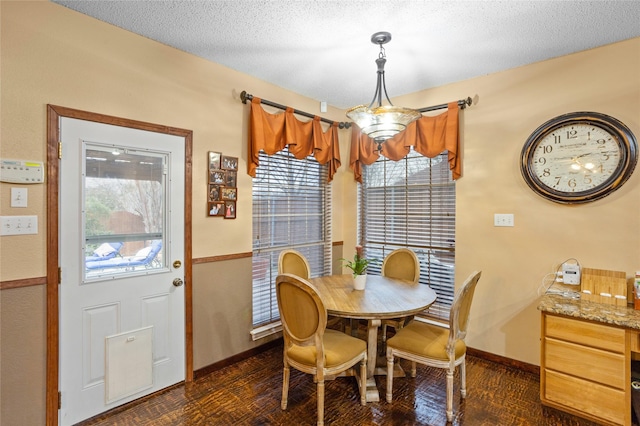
[(222, 318), (218, 313), (52, 55), (604, 234)]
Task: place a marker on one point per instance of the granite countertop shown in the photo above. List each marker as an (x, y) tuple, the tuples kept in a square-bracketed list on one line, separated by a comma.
[(623, 316)]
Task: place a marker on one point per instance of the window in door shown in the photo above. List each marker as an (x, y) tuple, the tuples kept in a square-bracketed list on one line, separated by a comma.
[(411, 203), (291, 210), (123, 211)]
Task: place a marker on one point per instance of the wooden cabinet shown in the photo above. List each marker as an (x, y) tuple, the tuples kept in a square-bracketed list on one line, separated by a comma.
[(585, 368)]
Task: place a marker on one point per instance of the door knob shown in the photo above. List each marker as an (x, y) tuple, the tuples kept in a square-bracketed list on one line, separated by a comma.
[(177, 282)]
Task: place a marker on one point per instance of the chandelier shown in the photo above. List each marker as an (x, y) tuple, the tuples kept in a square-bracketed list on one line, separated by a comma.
[(381, 122)]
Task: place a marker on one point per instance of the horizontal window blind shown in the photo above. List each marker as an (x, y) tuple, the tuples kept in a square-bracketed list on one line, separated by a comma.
[(291, 210), (411, 203)]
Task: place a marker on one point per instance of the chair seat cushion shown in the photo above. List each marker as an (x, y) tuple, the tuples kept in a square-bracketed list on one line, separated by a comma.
[(425, 340), (338, 349)]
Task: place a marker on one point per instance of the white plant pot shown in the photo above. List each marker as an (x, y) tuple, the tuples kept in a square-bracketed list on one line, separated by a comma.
[(359, 282)]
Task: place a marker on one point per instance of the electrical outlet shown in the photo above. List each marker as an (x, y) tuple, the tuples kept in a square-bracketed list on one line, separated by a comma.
[(503, 219), (18, 225)]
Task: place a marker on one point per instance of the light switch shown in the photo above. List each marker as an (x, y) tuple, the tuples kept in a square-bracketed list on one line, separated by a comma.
[(18, 197)]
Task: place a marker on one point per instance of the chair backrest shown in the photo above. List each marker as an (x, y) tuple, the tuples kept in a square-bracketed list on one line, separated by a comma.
[(302, 313), (147, 254), (293, 262), (116, 246), (459, 314), (403, 264), (105, 251)]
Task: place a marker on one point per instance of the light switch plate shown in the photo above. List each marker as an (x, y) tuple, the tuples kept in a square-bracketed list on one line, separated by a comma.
[(18, 197), (18, 225)]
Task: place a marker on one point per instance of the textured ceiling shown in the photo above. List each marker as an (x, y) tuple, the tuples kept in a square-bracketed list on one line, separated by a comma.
[(322, 49)]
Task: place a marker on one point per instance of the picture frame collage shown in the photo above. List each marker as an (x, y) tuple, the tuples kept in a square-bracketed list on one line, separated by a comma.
[(222, 185)]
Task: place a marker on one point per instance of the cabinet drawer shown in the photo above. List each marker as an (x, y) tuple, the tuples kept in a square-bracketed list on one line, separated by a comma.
[(593, 364), (584, 396), (585, 333)]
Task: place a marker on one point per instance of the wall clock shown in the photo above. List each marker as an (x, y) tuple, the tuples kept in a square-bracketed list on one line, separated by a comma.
[(578, 157)]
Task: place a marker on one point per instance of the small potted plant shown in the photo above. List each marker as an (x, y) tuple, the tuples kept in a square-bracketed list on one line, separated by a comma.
[(359, 267)]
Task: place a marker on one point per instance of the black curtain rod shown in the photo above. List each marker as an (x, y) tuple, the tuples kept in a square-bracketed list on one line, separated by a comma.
[(244, 96), (462, 103)]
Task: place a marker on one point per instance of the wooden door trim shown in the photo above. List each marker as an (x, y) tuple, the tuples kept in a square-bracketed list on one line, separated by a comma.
[(54, 114)]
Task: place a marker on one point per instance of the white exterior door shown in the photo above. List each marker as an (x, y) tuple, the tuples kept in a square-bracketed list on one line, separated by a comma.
[(122, 317)]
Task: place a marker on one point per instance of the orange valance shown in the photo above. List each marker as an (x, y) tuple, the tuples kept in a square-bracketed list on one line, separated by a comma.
[(429, 136), (273, 132)]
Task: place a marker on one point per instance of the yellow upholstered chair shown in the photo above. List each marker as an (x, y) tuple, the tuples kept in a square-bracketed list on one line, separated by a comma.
[(402, 264), (309, 346), (293, 262), (436, 346)]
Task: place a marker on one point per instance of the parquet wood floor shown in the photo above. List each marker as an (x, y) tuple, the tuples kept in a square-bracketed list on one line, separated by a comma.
[(248, 393)]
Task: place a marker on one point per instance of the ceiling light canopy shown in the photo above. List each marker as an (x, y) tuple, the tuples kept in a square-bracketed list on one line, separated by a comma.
[(381, 122)]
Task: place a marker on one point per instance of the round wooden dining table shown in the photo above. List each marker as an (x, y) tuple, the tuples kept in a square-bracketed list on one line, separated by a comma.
[(382, 298)]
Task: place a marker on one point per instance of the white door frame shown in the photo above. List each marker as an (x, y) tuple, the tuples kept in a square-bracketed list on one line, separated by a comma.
[(54, 113)]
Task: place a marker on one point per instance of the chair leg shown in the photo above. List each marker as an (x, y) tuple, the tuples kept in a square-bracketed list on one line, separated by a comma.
[(413, 368), (389, 374), (321, 402), (463, 378), (397, 325), (450, 394), (285, 387), (363, 381)]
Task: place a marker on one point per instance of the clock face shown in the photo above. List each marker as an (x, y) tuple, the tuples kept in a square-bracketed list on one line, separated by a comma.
[(578, 157)]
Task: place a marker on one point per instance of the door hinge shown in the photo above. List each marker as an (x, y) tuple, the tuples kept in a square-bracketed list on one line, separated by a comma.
[(59, 275), (59, 400), (60, 150)]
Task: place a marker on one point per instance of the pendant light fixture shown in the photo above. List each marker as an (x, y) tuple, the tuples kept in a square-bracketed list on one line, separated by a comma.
[(381, 122)]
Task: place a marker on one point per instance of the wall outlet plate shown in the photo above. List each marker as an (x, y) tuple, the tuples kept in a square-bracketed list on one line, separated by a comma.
[(503, 219)]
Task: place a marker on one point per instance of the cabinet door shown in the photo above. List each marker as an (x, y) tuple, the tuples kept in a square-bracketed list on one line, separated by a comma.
[(634, 341)]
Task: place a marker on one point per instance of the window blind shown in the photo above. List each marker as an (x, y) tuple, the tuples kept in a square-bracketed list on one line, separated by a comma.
[(411, 203), (291, 210)]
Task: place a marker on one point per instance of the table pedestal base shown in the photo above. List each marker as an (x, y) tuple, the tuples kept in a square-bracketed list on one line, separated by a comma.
[(398, 371), (372, 394)]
